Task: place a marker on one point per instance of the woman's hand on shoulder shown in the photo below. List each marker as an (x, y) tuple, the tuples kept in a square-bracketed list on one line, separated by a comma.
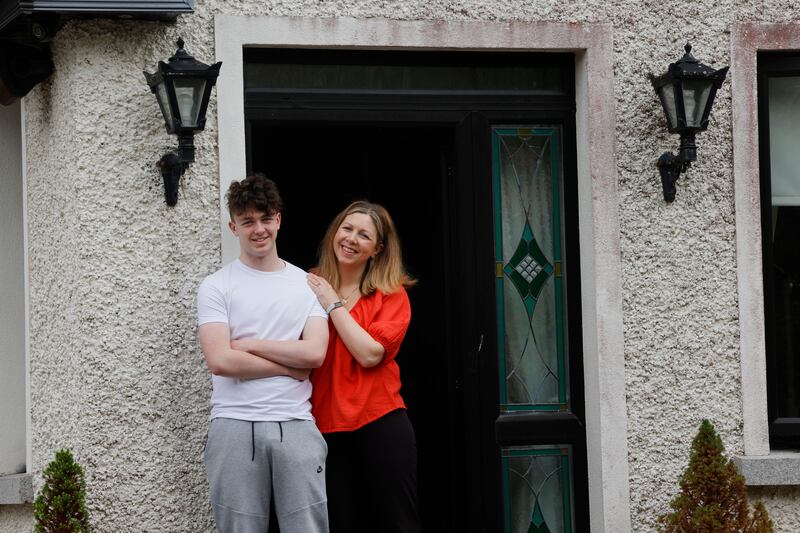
[(320, 286)]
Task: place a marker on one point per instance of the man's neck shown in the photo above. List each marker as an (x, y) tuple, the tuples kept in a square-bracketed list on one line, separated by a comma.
[(269, 263)]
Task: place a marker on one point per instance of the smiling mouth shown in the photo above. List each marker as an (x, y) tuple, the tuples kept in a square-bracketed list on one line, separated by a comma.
[(348, 250)]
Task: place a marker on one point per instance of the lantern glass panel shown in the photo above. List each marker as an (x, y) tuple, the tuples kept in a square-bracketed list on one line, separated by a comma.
[(163, 101), (189, 94), (695, 98), (667, 94)]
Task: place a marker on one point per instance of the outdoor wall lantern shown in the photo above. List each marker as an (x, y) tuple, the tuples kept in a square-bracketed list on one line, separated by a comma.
[(687, 93), (182, 88)]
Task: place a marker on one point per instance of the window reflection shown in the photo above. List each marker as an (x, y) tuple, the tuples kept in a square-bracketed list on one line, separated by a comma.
[(786, 304)]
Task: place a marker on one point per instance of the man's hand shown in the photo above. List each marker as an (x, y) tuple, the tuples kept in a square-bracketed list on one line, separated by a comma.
[(242, 345), (300, 374)]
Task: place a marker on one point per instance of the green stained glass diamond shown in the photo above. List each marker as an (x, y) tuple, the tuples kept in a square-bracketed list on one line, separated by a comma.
[(528, 269), (537, 521)]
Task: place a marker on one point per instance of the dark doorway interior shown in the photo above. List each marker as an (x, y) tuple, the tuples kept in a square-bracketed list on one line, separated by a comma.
[(415, 131), (320, 169)]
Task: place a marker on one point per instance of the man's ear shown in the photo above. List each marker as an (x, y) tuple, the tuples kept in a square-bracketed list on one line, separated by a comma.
[(278, 219), (232, 226)]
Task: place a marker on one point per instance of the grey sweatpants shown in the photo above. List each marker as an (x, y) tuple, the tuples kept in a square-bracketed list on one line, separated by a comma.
[(250, 462)]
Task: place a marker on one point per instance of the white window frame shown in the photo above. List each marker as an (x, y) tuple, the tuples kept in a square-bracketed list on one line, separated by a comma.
[(759, 464), (592, 44), (18, 489)]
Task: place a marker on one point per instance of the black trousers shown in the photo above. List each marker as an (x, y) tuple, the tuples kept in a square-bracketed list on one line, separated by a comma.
[(372, 477)]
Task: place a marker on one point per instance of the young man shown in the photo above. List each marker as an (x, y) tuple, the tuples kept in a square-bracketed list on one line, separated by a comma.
[(262, 440)]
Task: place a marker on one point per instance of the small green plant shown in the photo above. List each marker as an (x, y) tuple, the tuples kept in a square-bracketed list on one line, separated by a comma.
[(60, 506), (712, 497)]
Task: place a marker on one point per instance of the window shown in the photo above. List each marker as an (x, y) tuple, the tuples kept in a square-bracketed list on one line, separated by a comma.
[(14, 489), (779, 131)]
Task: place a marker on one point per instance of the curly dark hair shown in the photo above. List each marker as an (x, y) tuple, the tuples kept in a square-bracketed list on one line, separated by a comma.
[(254, 192)]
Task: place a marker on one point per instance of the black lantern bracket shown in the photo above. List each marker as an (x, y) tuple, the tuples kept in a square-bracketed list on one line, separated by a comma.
[(670, 166), (182, 87), (687, 92)]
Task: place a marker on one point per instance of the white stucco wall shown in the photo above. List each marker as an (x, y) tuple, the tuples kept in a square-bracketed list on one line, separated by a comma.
[(16, 518), (116, 373), (115, 370)]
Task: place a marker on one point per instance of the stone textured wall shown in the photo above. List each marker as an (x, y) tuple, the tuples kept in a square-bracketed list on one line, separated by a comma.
[(116, 370), (782, 503), (116, 374), (16, 518)]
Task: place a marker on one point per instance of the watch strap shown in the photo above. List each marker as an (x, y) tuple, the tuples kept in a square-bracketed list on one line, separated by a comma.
[(334, 305)]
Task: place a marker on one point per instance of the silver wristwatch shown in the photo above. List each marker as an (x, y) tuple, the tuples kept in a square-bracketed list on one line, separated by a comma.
[(334, 305)]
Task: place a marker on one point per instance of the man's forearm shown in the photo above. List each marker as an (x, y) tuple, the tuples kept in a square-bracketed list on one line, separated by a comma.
[(225, 360), (298, 354), (243, 365)]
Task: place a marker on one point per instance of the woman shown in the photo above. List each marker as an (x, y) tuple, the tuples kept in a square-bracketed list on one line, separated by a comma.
[(372, 456)]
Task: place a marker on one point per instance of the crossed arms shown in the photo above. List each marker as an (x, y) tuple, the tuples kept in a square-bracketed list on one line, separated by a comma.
[(256, 358)]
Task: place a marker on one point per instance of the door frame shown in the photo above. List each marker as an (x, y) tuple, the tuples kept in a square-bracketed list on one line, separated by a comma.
[(592, 44)]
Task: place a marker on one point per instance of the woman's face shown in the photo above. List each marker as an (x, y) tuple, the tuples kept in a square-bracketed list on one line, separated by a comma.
[(356, 240)]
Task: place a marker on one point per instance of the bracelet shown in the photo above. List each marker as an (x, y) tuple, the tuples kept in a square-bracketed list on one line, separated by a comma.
[(334, 305)]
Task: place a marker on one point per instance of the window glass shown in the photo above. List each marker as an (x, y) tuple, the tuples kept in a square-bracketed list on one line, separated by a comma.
[(12, 295), (779, 129), (784, 132), (327, 70)]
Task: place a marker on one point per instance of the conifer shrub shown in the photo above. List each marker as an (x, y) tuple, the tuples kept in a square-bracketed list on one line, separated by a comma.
[(60, 506), (712, 497)]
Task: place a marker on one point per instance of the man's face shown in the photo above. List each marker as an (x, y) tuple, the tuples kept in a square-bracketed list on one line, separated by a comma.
[(257, 232)]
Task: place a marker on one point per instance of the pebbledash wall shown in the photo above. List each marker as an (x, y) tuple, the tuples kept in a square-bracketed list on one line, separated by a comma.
[(115, 369)]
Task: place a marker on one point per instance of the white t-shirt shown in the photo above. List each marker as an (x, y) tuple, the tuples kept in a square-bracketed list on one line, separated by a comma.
[(260, 305)]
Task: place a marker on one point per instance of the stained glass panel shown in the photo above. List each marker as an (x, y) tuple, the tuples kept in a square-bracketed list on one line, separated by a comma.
[(536, 489), (530, 306)]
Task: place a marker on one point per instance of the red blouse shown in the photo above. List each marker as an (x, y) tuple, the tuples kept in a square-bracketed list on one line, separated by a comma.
[(346, 395)]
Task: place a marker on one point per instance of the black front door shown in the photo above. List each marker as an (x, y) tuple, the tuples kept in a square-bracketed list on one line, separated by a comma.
[(482, 196)]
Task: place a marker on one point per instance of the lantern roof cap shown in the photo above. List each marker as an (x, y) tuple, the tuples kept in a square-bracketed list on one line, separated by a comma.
[(689, 67), (183, 62)]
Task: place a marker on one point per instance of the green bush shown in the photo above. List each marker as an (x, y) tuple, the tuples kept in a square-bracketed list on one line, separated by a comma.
[(60, 506), (712, 497)]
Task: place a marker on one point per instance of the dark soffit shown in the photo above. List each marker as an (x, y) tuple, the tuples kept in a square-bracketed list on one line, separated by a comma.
[(12, 11)]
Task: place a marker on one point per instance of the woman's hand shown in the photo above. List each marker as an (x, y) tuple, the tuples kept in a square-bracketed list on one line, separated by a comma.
[(325, 293)]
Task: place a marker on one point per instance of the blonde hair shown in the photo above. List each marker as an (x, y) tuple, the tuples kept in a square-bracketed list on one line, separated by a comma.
[(386, 270)]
